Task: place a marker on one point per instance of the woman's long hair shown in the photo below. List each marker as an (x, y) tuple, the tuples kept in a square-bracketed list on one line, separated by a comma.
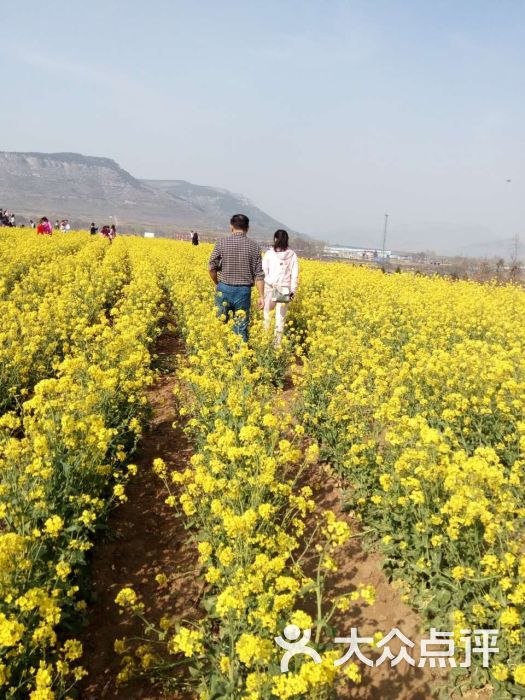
[(280, 240)]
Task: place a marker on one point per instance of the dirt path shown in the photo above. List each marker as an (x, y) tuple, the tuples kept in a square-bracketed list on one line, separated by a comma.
[(147, 538), (356, 566)]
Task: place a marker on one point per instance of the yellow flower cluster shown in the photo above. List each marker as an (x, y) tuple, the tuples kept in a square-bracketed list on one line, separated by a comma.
[(79, 321), (47, 311), (414, 387), (21, 252)]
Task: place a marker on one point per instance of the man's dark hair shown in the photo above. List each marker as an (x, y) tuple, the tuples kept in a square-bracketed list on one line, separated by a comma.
[(240, 222), (280, 240)]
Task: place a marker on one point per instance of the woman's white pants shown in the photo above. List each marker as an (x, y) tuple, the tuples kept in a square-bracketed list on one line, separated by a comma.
[(280, 312)]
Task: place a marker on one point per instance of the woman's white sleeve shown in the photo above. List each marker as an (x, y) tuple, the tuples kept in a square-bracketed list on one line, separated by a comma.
[(295, 274), (266, 265)]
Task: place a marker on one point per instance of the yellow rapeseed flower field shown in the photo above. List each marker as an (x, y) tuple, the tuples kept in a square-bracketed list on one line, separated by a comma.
[(76, 327), (411, 387), (415, 389)]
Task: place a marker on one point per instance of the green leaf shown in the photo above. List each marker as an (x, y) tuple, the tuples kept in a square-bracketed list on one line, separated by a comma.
[(209, 603)]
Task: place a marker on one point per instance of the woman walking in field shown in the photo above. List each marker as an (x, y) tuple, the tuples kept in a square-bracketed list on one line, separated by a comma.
[(281, 275)]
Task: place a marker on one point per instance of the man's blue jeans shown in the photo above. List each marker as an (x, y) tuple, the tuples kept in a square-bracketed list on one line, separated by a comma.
[(231, 298)]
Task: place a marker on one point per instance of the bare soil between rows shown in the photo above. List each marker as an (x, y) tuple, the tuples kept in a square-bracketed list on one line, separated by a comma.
[(147, 537)]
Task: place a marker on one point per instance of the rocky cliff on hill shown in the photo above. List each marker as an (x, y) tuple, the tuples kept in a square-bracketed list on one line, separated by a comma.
[(85, 188)]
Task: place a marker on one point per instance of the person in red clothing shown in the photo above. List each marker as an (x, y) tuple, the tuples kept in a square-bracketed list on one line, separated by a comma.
[(44, 227), (105, 232)]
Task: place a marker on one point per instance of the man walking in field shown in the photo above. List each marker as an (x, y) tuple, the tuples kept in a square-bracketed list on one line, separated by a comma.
[(238, 259)]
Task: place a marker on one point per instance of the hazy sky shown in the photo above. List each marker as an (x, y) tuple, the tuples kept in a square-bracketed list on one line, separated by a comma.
[(327, 113)]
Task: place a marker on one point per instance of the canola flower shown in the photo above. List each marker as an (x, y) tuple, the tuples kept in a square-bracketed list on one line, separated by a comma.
[(48, 312), (414, 388), (21, 252), (62, 452)]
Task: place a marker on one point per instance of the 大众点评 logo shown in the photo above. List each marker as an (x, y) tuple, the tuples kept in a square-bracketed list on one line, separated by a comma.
[(439, 649)]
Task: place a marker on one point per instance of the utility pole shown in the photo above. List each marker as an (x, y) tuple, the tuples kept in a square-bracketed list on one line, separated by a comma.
[(384, 237), (515, 265)]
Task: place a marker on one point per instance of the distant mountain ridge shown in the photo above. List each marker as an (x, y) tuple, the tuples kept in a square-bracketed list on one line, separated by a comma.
[(86, 188)]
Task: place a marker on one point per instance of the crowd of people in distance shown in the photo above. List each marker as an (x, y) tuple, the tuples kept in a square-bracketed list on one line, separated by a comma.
[(62, 225), (44, 227), (7, 218)]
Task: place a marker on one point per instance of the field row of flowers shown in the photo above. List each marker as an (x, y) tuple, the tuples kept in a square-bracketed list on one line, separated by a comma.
[(247, 513), (415, 388), (63, 457), (47, 312), (20, 252)]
